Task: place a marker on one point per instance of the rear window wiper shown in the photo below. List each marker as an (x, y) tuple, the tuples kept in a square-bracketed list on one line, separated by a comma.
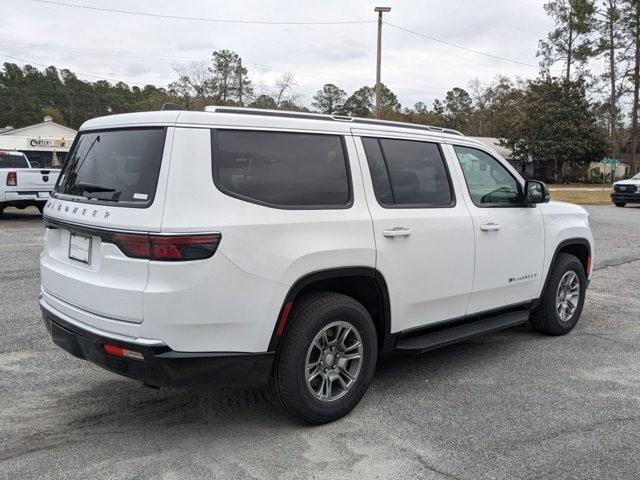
[(90, 187), (111, 195), (97, 191)]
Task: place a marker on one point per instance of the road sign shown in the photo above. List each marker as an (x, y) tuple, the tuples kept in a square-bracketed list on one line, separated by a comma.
[(610, 161), (613, 163)]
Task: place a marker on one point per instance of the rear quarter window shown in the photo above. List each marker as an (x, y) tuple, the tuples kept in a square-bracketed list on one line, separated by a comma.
[(282, 170)]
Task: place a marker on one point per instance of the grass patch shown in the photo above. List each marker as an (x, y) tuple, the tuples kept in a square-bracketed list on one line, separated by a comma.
[(577, 185), (583, 197)]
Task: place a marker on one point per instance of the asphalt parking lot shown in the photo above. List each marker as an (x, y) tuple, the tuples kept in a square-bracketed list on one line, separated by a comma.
[(511, 405)]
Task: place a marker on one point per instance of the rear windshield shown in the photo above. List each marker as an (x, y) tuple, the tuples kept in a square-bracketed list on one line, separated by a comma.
[(114, 166), (8, 160)]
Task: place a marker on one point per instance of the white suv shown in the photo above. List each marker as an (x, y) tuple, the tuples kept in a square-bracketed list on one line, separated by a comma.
[(244, 247)]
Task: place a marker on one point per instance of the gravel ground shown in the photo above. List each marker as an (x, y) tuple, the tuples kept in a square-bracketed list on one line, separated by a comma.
[(511, 405)]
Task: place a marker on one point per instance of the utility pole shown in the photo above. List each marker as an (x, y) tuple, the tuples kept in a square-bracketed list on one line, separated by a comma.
[(240, 83), (380, 11)]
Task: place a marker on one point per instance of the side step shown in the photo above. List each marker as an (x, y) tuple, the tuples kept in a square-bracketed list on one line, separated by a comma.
[(447, 336)]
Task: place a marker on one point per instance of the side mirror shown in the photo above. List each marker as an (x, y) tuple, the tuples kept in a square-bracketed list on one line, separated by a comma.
[(536, 192)]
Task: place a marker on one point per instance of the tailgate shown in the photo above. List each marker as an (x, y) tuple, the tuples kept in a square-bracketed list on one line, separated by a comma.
[(36, 180)]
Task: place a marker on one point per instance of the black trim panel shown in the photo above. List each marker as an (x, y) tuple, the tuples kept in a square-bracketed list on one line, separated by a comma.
[(565, 243), (474, 317), (625, 197), (163, 367), (459, 333), (337, 273)]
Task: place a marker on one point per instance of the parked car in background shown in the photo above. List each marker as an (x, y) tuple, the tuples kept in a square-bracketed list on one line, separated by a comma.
[(247, 247), (22, 186), (626, 191)]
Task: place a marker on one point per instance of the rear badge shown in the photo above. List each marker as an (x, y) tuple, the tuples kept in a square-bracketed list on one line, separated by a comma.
[(78, 211)]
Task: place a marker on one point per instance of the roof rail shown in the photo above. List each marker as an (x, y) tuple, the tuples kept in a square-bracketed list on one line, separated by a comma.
[(324, 116)]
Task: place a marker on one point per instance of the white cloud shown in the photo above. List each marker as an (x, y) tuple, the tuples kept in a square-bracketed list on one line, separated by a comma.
[(416, 69)]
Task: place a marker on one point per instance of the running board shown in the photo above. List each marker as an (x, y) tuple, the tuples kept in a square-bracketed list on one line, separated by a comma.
[(447, 336)]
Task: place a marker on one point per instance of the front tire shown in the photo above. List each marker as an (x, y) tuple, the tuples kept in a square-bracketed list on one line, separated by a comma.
[(563, 298), (325, 362), (620, 204)]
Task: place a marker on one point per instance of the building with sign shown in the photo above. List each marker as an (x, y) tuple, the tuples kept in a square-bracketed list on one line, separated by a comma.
[(46, 144)]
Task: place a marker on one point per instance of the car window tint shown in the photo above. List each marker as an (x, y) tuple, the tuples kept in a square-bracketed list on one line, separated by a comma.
[(378, 169), (417, 173), (282, 169), (489, 182), (114, 165), (8, 160)]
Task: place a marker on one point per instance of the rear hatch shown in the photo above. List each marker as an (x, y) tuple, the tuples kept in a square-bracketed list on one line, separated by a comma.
[(111, 187)]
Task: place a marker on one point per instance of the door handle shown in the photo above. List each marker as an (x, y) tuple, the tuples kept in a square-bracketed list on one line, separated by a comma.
[(397, 232), (489, 227)]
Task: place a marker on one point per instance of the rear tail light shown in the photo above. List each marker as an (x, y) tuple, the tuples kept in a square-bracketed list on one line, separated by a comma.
[(12, 179), (122, 352), (167, 247)]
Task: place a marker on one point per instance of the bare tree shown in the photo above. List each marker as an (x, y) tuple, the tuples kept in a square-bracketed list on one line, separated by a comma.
[(194, 83), (283, 91)]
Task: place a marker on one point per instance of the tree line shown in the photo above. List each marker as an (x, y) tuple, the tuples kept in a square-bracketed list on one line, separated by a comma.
[(558, 119)]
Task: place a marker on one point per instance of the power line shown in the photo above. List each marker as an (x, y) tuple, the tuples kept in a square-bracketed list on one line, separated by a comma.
[(99, 52), (477, 52), (260, 66), (199, 19)]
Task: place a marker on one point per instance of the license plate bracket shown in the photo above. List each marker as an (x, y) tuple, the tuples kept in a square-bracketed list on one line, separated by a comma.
[(80, 248)]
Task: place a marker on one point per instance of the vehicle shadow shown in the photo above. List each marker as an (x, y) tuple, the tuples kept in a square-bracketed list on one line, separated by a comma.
[(138, 407)]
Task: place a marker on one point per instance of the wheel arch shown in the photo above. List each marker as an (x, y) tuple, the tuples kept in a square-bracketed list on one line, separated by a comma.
[(579, 247), (364, 284)]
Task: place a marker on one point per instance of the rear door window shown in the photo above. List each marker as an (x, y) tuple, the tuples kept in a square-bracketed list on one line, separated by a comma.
[(408, 173), (282, 169), (114, 166)]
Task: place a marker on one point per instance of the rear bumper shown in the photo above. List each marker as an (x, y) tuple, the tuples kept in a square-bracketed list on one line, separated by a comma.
[(34, 195), (161, 367), (625, 197)]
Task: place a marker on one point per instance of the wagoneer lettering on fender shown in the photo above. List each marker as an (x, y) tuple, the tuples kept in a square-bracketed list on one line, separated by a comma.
[(251, 247)]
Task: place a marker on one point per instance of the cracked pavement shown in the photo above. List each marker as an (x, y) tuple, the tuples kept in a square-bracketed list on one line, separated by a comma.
[(514, 404)]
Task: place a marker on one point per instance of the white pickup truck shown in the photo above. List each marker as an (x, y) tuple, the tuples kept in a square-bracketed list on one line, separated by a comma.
[(22, 186)]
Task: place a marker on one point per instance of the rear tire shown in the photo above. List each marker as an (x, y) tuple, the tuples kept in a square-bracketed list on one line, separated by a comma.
[(559, 308), (315, 387), (620, 204), (40, 208), (1, 211)]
